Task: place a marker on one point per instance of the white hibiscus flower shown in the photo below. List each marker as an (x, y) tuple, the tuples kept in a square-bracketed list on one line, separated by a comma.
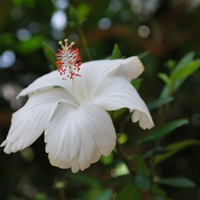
[(72, 113)]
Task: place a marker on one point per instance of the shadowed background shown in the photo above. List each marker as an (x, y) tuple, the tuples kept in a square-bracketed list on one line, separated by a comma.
[(166, 29)]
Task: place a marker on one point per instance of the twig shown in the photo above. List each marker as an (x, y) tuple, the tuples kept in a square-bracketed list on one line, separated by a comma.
[(127, 159)]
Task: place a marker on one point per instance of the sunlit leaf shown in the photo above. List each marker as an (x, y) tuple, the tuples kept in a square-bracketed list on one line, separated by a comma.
[(120, 169), (122, 138), (163, 130), (165, 78), (129, 192), (168, 85), (159, 102), (106, 160), (184, 61), (174, 148), (176, 182), (186, 70), (187, 59), (50, 54), (105, 195)]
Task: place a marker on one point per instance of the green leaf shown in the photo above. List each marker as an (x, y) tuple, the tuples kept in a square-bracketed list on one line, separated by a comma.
[(153, 198), (176, 182), (7, 38), (136, 83), (159, 102), (86, 180), (74, 15), (50, 54), (120, 169), (40, 196), (142, 179), (118, 179), (116, 53), (170, 64), (143, 55), (107, 160), (129, 192), (165, 78), (156, 151), (31, 45), (165, 92), (105, 195), (159, 194), (122, 138), (117, 113), (174, 148), (163, 131), (167, 88), (186, 70), (28, 3), (185, 60), (83, 10)]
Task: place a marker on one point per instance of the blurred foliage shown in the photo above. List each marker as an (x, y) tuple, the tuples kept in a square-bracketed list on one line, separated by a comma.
[(165, 36)]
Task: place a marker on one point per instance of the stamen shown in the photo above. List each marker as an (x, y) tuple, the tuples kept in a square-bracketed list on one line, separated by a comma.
[(68, 60)]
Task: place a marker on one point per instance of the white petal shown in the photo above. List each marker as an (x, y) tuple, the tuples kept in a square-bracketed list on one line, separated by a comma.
[(94, 72), (49, 80), (77, 137), (29, 122), (131, 68), (116, 93)]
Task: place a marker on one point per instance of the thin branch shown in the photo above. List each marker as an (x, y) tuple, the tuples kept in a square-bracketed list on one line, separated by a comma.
[(127, 159)]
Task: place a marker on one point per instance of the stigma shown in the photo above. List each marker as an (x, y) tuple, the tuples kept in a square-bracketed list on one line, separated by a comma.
[(68, 60)]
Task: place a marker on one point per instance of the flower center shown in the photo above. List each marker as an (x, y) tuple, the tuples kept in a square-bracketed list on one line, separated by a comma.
[(68, 60)]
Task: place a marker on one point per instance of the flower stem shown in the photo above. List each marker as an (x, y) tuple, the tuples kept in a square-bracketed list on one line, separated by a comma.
[(62, 195), (84, 42)]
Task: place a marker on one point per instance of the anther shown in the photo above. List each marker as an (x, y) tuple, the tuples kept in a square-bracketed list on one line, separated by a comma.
[(68, 60)]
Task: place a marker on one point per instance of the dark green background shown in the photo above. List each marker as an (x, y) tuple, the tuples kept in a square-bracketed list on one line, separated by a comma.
[(174, 31)]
